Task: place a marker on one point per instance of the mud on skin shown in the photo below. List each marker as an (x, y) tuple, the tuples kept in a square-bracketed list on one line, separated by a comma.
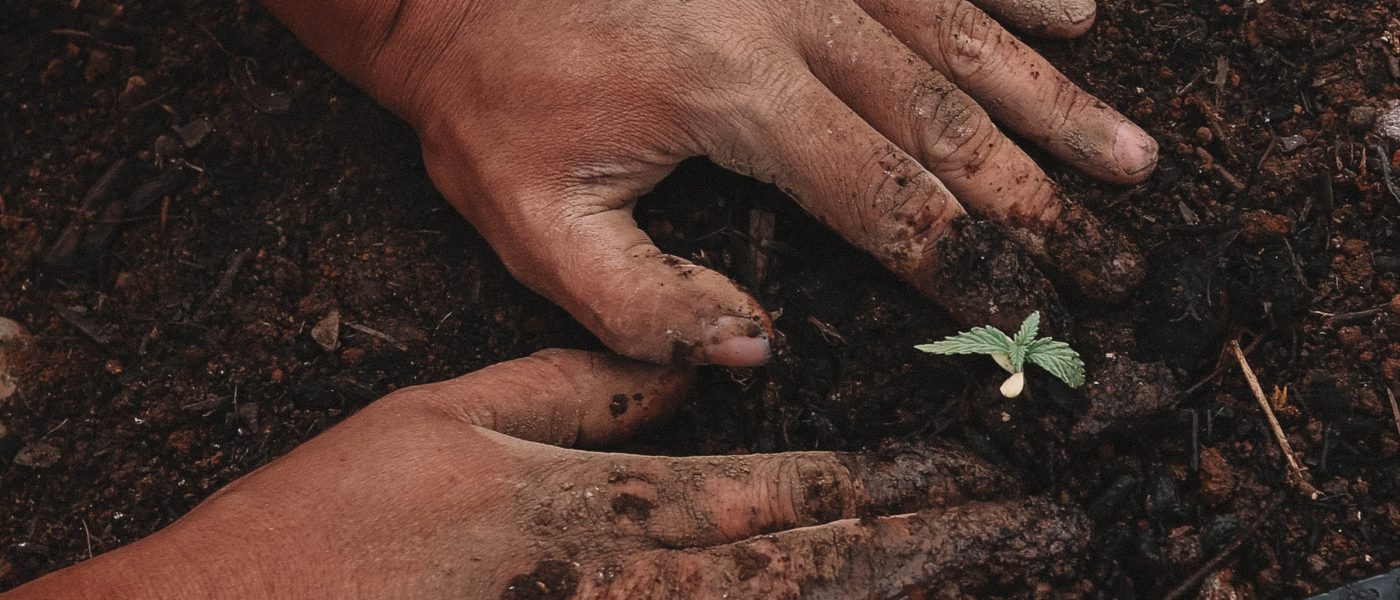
[(1101, 263), (983, 277), (551, 580), (900, 476), (1123, 392), (655, 530)]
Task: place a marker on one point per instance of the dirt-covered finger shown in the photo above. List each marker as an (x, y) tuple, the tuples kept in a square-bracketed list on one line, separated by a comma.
[(1045, 18), (873, 557), (803, 138), (1020, 88), (714, 500), (561, 397), (916, 107)]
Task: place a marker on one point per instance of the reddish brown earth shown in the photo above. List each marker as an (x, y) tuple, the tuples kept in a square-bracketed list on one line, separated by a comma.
[(174, 333)]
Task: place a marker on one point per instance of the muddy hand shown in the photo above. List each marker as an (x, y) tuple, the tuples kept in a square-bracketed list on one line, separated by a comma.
[(543, 120), (460, 490)]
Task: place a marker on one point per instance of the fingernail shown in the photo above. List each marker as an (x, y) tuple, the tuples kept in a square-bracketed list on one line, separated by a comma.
[(1135, 151), (737, 342), (1076, 12)]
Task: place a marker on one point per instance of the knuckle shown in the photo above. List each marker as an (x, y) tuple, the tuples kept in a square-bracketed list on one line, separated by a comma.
[(892, 178), (819, 490), (907, 211), (956, 129), (974, 43), (1067, 102)]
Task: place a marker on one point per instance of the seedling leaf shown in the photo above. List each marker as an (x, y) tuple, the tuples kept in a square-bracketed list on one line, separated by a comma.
[(1024, 336), (1029, 328), (978, 340), (1058, 359)]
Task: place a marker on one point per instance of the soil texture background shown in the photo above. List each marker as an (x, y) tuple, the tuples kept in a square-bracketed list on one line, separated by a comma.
[(233, 192)]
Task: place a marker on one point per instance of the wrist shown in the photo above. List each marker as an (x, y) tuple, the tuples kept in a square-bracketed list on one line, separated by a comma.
[(186, 560)]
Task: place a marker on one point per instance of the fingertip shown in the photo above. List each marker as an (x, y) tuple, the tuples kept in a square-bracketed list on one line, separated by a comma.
[(1102, 264), (1073, 19), (739, 352), (982, 277), (1135, 152), (737, 342), (1054, 19)]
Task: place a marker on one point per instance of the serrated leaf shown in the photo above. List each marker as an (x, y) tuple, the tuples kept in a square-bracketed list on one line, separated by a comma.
[(978, 340), (1058, 359), (1029, 329), (1024, 336), (1017, 357)]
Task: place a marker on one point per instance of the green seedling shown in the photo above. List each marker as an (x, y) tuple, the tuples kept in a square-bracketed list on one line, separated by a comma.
[(1012, 353)]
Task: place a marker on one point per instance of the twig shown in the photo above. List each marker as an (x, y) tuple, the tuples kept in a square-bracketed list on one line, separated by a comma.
[(1394, 408), (88, 36), (1297, 266), (1349, 317), (1300, 477), (379, 334), (829, 333), (1219, 368), (225, 281), (88, 534), (1199, 575), (63, 250), (1225, 174)]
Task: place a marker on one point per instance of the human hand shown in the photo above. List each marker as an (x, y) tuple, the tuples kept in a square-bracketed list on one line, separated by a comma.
[(461, 489), (543, 120)]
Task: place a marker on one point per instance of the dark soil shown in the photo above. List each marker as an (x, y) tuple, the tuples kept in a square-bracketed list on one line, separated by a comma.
[(173, 324)]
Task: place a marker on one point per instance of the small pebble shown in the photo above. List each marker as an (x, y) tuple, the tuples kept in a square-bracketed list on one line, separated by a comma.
[(166, 146), (13, 339), (1388, 123), (194, 132), (134, 93), (1291, 144), (38, 455), (327, 332), (1361, 118)]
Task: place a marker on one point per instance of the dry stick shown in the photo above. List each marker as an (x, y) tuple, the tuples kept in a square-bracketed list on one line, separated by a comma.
[(1394, 408), (1225, 174), (225, 281), (1349, 317), (1299, 477), (1220, 368)]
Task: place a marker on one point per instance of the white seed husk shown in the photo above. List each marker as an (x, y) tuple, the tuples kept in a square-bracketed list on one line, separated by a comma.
[(1014, 385)]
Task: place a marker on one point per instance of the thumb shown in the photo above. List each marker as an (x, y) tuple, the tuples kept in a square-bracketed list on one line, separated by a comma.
[(592, 260), (560, 397)]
